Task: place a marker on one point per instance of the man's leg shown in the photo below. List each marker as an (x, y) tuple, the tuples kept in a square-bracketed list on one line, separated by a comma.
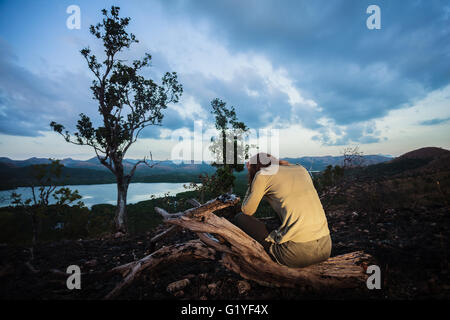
[(253, 227)]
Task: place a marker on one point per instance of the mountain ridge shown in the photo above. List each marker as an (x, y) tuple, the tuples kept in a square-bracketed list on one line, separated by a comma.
[(16, 173), (316, 163)]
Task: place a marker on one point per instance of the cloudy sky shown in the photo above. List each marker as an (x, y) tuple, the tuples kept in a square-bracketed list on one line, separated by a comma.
[(311, 69)]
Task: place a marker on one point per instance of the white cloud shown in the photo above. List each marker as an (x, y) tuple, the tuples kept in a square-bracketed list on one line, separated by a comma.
[(402, 127), (251, 93), (399, 131), (193, 49), (189, 108), (278, 79)]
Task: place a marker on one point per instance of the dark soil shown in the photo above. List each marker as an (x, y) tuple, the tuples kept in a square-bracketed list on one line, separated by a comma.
[(410, 246)]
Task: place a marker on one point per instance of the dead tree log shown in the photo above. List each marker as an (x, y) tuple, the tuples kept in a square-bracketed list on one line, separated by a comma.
[(172, 229), (190, 250), (164, 234), (247, 257), (244, 255)]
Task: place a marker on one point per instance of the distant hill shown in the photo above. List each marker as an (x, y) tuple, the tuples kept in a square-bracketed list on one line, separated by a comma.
[(163, 166), (13, 177), (166, 166), (437, 159), (320, 163), (20, 176), (23, 163), (419, 161), (424, 153), (17, 173)]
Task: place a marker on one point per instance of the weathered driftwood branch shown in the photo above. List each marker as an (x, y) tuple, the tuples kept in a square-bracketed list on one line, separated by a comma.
[(218, 203), (244, 255), (165, 233), (190, 250), (194, 249), (172, 229), (194, 202)]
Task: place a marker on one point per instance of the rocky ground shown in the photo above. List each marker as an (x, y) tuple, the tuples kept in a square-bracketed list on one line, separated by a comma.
[(411, 248)]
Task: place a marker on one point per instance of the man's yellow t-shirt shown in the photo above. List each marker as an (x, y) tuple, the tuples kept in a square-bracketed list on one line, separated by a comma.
[(291, 193)]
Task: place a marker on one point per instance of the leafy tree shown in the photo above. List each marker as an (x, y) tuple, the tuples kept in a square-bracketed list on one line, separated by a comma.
[(127, 103), (45, 177), (229, 149)]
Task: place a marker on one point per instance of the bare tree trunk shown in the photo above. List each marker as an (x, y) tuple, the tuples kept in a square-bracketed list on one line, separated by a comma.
[(121, 209)]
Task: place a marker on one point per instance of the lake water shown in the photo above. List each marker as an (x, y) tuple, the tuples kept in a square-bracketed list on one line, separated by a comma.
[(106, 193)]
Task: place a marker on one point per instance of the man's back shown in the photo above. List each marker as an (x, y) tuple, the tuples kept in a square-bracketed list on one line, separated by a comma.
[(292, 195)]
